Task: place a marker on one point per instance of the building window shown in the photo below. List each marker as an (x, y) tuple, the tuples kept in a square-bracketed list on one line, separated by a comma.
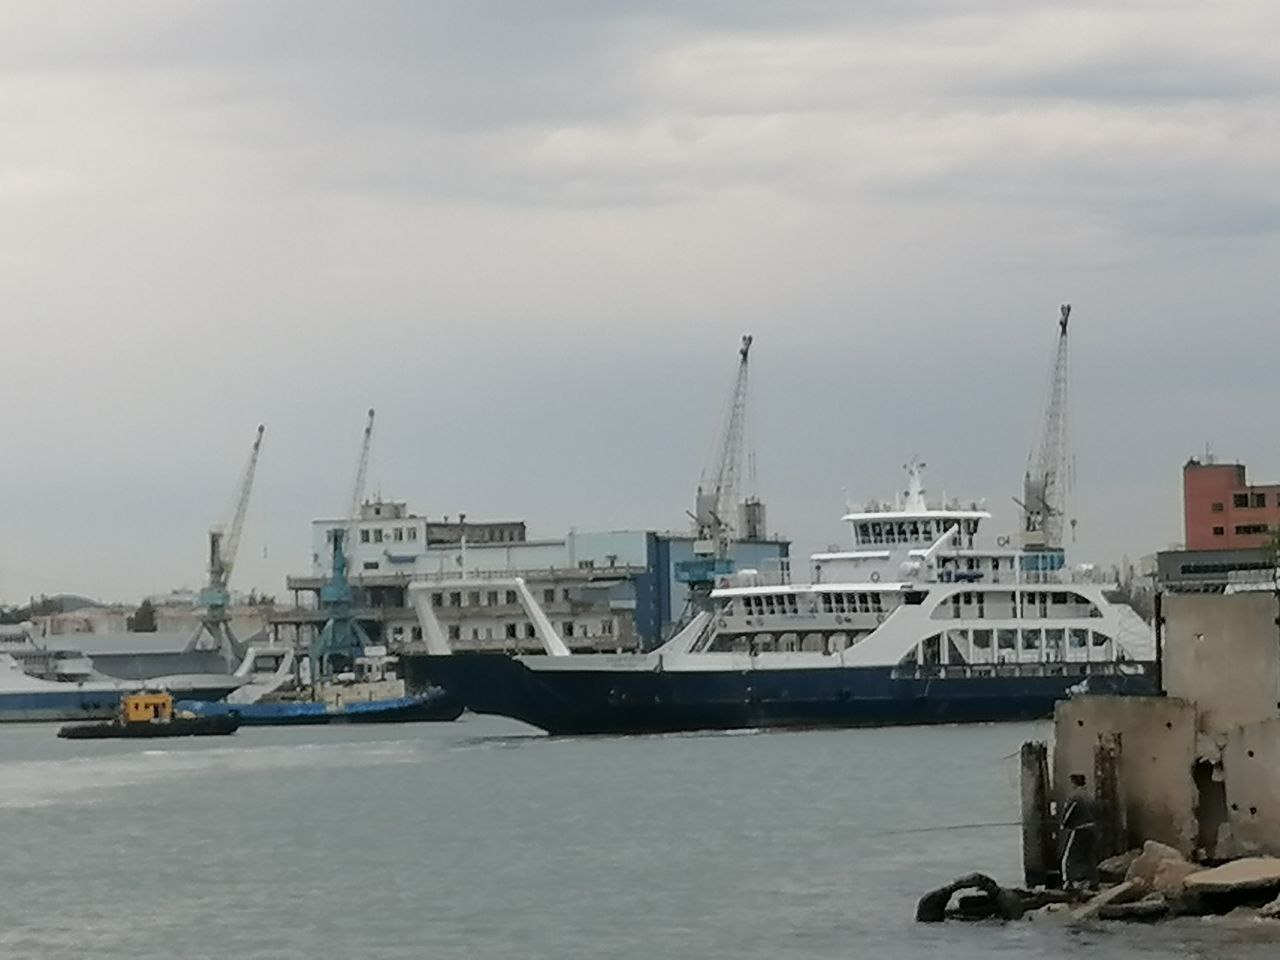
[(399, 533), (1259, 499), (371, 564), (606, 628), (1248, 528), (1218, 531), (364, 536), (377, 535), (437, 599), (586, 564), (492, 598), (1240, 500), (455, 599), (567, 628), (511, 631), (528, 631), (1218, 507), (412, 533), (549, 595), (473, 598), (511, 597), (566, 596), (455, 632), (415, 633)]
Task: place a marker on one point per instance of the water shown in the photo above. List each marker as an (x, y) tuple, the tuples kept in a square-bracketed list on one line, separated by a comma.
[(483, 839)]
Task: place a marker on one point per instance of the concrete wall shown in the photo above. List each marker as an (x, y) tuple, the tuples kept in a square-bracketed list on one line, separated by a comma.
[(1251, 769), (1222, 652), (1158, 737)]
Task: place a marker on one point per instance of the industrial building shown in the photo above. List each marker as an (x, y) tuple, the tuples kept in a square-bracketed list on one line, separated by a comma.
[(1223, 511), (610, 590)]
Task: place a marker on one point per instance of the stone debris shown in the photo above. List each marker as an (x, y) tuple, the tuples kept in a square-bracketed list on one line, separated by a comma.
[(1125, 892), (1248, 874), (1270, 911), (1149, 908), (1148, 862), (1114, 869)]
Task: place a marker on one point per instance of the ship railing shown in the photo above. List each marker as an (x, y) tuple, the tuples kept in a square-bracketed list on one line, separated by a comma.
[(1062, 668)]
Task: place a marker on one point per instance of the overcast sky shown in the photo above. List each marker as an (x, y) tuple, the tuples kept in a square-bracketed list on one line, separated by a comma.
[(531, 235)]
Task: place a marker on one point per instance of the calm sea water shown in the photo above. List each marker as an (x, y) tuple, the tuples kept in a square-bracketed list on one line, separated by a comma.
[(484, 839)]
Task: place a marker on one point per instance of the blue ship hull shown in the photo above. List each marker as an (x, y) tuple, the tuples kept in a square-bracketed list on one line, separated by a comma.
[(611, 701), (434, 705)]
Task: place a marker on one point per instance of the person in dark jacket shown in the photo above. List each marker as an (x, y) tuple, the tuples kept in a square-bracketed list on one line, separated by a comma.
[(1079, 828)]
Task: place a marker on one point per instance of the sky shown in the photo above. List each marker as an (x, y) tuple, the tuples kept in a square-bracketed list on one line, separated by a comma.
[(531, 235)]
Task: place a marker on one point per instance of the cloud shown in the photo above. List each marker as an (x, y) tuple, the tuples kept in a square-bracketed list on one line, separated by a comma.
[(531, 236)]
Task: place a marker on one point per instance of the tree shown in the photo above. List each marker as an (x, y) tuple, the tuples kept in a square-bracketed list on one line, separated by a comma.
[(143, 619)]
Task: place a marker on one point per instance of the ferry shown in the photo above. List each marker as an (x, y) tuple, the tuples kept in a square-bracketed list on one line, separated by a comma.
[(919, 622)]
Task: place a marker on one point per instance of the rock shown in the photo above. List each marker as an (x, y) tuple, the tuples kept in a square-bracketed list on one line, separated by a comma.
[(1055, 910), (1249, 874), (1171, 877), (1147, 864), (1271, 911), (1114, 869), (1149, 908), (1125, 892), (932, 907)]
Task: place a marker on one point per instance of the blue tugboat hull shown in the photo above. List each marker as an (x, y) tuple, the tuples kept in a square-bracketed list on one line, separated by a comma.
[(625, 701), (434, 705)]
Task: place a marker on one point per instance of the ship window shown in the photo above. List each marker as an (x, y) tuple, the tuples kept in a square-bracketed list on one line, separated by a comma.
[(839, 602), (415, 633), (914, 597), (511, 631), (455, 599), (792, 606), (437, 599), (1079, 638), (876, 535), (967, 598), (1100, 639), (528, 630), (864, 603), (1059, 598), (982, 639), (566, 628), (1007, 639), (889, 535), (511, 596), (1030, 639), (492, 598), (826, 603), (875, 603), (473, 598), (768, 604), (606, 628), (549, 595), (926, 530), (1053, 639), (455, 632), (914, 530), (864, 533)]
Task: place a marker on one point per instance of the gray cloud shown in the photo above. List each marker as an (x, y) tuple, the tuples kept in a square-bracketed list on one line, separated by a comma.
[(531, 234)]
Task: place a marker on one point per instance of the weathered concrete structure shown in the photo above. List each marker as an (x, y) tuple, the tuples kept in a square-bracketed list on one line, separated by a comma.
[(1157, 737)]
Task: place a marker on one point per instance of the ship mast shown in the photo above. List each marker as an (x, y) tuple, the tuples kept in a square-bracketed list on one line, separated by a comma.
[(1047, 483)]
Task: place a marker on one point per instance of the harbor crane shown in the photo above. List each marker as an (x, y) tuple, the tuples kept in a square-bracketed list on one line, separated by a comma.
[(214, 631), (1048, 480), (716, 503), (342, 638)]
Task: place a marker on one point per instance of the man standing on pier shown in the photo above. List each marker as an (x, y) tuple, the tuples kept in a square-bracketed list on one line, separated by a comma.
[(1079, 825)]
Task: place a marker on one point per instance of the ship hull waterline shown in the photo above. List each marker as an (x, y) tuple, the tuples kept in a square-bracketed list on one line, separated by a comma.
[(594, 701)]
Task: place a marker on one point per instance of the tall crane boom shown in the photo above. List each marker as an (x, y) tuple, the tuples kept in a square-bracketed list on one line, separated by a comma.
[(362, 468), (342, 638), (214, 631), (1047, 483), (231, 542), (716, 503)]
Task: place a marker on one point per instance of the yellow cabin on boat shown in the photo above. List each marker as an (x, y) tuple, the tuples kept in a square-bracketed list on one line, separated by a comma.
[(145, 707)]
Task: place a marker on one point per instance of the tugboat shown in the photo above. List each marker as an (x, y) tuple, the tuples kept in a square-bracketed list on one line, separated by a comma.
[(151, 715)]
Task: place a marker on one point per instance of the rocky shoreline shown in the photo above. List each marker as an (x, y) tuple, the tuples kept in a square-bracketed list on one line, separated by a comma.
[(1146, 885)]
